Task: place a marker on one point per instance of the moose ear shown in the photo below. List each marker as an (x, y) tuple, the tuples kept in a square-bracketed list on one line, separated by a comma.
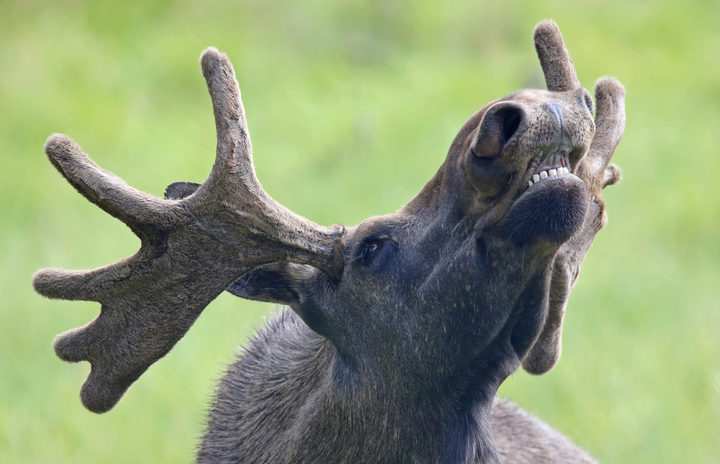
[(295, 285), (282, 283)]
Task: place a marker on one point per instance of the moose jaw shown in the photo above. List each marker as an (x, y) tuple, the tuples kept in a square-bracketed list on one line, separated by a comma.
[(402, 328)]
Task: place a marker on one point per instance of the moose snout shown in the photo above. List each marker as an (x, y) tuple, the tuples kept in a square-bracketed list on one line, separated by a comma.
[(498, 126), (527, 131)]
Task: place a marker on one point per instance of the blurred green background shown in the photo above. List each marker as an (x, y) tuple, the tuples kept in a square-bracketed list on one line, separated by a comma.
[(352, 106)]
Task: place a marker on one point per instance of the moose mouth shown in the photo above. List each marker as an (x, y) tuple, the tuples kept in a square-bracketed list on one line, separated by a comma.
[(550, 167), (553, 205), (552, 172)]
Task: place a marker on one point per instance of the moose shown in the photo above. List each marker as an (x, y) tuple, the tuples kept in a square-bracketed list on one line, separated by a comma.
[(397, 332)]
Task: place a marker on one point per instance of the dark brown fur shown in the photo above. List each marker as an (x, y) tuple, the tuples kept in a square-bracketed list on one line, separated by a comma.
[(400, 329)]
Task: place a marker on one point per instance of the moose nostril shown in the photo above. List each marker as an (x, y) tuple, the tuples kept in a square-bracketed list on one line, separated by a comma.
[(498, 126), (511, 118)]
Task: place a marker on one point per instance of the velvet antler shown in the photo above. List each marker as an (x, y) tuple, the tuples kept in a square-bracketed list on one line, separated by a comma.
[(594, 169), (191, 249)]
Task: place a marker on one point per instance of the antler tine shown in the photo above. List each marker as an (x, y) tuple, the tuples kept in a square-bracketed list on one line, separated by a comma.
[(609, 128), (233, 176), (233, 166), (133, 207), (593, 169), (79, 285), (554, 58)]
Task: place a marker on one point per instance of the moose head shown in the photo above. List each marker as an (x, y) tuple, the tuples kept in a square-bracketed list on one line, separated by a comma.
[(448, 296)]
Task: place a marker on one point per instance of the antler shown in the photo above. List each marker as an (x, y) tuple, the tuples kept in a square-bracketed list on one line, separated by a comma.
[(191, 249), (594, 169)]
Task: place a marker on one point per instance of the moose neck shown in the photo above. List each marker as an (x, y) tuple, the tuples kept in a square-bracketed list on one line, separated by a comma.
[(383, 422), (431, 409)]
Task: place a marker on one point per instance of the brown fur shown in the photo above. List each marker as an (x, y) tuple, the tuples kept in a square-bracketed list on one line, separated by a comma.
[(402, 328)]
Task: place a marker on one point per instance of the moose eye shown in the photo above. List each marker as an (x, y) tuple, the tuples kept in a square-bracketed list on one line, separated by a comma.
[(373, 251)]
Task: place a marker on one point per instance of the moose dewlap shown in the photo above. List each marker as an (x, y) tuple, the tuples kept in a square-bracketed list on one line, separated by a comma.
[(397, 331)]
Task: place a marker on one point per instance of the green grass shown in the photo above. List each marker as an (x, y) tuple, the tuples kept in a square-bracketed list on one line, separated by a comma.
[(352, 106)]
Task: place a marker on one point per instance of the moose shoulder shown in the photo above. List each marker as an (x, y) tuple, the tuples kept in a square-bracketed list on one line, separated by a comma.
[(399, 330)]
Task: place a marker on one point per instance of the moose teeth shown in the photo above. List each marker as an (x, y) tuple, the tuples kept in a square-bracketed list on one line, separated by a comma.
[(549, 173)]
